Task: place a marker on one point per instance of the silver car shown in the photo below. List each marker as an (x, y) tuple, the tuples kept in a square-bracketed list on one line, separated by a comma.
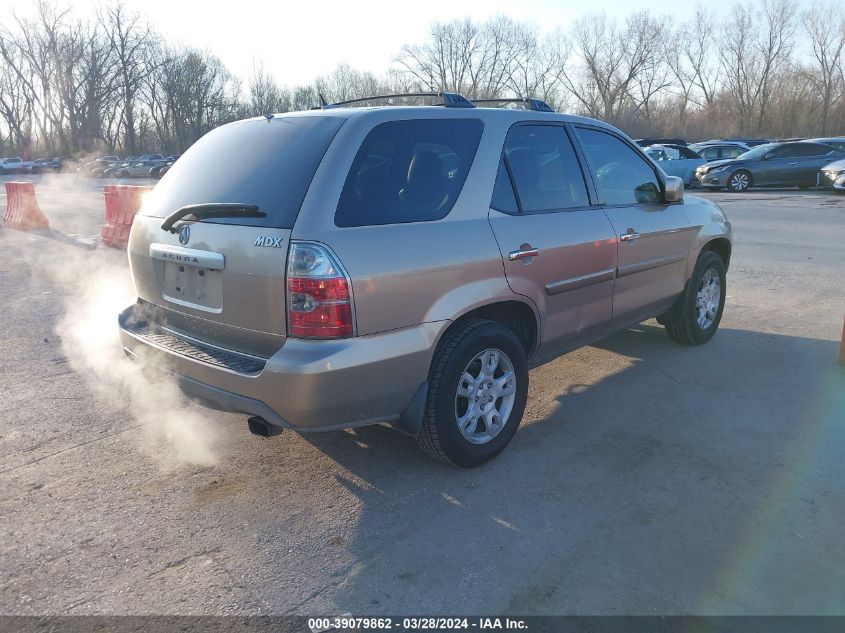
[(410, 264)]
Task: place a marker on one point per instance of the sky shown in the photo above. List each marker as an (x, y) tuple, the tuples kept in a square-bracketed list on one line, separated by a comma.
[(296, 41)]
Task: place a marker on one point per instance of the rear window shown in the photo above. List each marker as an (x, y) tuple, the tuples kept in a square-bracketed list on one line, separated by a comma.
[(408, 171), (266, 163)]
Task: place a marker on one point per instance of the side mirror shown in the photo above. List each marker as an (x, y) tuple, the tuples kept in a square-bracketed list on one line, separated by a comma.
[(673, 189)]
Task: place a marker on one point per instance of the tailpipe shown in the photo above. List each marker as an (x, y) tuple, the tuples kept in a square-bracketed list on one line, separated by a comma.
[(260, 426)]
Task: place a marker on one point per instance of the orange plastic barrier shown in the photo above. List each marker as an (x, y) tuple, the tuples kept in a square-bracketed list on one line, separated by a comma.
[(122, 203), (22, 210)]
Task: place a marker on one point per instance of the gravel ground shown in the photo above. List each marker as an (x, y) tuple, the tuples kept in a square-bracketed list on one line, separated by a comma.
[(648, 478)]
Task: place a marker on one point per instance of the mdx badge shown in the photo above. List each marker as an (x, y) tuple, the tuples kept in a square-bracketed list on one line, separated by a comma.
[(267, 240)]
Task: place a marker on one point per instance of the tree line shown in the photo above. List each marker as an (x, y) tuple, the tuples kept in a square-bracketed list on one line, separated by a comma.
[(108, 82)]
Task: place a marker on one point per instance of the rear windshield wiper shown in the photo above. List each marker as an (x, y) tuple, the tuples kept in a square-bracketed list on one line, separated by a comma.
[(212, 210)]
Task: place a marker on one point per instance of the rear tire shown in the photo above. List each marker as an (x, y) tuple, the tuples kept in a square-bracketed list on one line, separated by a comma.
[(696, 315), (740, 181), (472, 412)]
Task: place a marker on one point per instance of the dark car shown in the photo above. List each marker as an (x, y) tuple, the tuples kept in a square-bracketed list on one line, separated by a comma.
[(647, 142), (751, 142), (159, 170), (720, 150), (48, 165), (773, 164), (837, 142)]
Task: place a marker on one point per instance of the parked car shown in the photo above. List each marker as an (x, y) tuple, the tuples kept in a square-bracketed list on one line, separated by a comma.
[(837, 142), (833, 175), (719, 150), (646, 142), (151, 157), (410, 264), (676, 160), (133, 169), (774, 164), (156, 170), (14, 165), (751, 142), (98, 167), (48, 165)]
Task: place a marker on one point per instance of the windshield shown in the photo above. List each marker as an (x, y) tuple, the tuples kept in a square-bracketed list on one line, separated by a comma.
[(758, 152), (266, 163)]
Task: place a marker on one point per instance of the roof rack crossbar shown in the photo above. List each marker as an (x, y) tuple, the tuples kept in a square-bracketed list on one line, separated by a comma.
[(533, 104), (450, 99)]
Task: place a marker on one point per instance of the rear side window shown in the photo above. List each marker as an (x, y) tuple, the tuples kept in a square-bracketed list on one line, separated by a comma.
[(408, 171), (813, 149), (731, 152), (266, 163), (545, 169), (711, 153), (622, 175)]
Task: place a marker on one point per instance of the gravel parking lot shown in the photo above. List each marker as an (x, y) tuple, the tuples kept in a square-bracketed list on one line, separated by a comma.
[(648, 478)]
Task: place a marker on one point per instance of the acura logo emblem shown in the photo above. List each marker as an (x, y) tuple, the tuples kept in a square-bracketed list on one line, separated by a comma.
[(184, 234)]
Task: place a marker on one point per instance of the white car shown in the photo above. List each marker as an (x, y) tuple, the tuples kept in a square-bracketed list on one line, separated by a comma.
[(14, 165)]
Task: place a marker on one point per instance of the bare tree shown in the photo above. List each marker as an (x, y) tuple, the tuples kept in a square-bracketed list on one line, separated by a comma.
[(825, 27), (132, 43), (265, 95)]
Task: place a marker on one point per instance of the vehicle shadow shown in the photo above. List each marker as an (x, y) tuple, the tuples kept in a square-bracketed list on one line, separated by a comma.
[(640, 464)]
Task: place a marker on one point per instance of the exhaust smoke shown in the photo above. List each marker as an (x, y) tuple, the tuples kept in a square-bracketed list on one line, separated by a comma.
[(95, 285)]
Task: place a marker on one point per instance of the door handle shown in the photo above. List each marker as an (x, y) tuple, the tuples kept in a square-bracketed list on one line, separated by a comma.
[(795, 163), (523, 253), (630, 235)]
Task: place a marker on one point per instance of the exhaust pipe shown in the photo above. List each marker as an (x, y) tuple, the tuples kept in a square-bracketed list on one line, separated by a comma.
[(260, 426)]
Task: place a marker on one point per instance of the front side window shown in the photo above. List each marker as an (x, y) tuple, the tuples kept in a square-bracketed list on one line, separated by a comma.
[(784, 151), (731, 152), (621, 174), (545, 169), (408, 171)]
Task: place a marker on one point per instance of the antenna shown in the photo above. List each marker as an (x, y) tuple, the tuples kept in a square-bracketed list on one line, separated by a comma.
[(323, 101)]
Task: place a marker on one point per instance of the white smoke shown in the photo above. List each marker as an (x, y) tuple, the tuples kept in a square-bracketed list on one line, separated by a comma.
[(95, 285)]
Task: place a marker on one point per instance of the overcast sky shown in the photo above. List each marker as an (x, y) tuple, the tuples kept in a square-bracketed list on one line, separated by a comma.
[(301, 39)]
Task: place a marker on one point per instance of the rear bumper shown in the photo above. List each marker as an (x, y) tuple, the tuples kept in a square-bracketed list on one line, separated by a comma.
[(308, 385)]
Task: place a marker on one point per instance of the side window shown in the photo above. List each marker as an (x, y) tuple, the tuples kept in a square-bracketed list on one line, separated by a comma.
[(686, 152), (813, 149), (785, 151), (710, 153), (408, 171), (545, 169), (621, 174), (731, 152), (504, 199)]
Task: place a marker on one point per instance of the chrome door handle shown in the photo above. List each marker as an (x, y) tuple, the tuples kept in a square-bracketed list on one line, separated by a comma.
[(627, 237), (795, 163), (523, 254)]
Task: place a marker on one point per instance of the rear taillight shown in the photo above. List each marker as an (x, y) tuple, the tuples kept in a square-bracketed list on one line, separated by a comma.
[(319, 297)]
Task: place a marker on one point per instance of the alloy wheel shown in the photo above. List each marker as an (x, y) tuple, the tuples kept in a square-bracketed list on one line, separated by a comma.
[(485, 396)]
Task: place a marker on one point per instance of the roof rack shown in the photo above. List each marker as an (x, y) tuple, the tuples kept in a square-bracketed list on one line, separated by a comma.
[(450, 99), (533, 104)]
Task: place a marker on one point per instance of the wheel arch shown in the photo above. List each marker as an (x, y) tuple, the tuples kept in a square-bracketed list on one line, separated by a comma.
[(722, 247), (517, 315)]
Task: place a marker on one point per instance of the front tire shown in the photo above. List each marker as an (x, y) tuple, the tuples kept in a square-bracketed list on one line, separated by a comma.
[(696, 316), (477, 389), (740, 181)]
